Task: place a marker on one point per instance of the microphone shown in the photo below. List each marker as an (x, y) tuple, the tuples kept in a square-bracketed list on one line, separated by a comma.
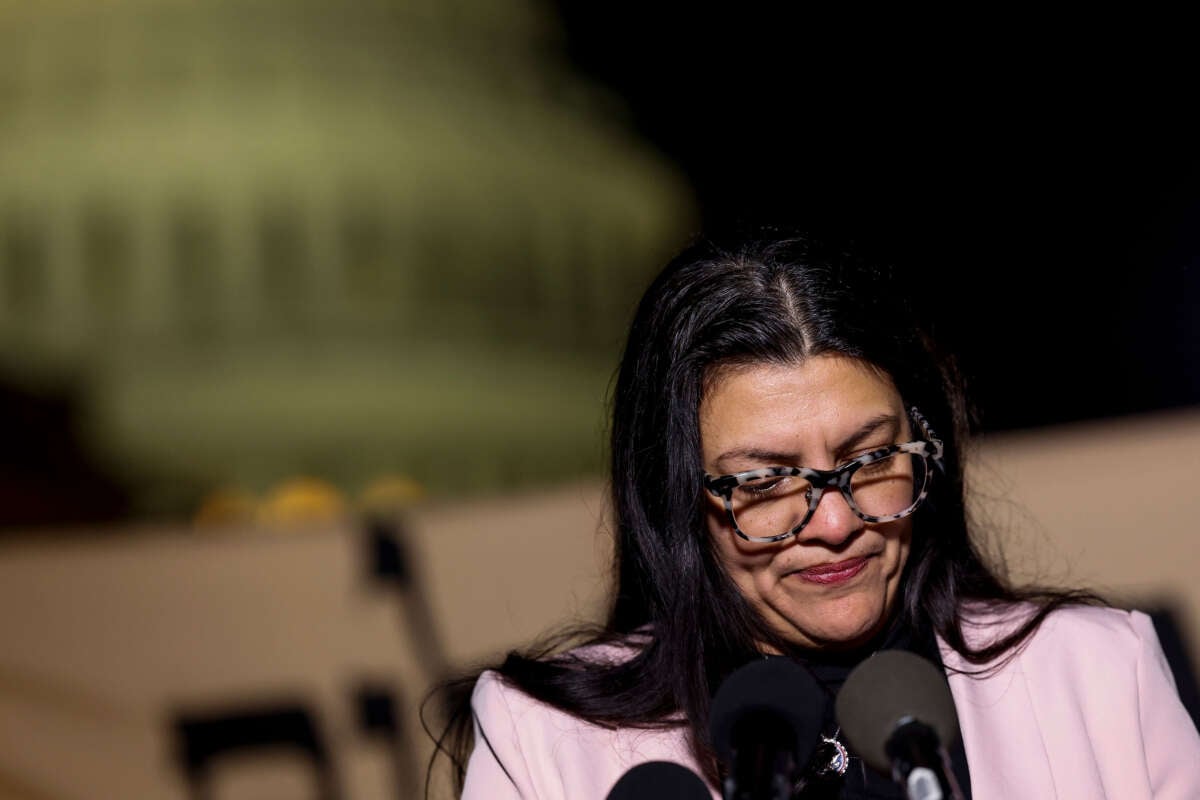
[(659, 780), (897, 713), (765, 723)]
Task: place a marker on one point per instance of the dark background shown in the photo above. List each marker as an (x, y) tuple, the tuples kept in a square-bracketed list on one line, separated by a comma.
[(1037, 175)]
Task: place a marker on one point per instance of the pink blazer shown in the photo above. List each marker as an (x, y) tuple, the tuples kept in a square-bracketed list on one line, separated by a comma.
[(1087, 709)]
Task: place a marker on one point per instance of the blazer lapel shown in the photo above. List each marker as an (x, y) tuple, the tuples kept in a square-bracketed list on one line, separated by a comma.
[(997, 715)]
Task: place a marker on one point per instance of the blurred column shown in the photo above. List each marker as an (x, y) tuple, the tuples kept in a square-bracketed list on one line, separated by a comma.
[(151, 284), (550, 239), (239, 275), (66, 310), (326, 296)]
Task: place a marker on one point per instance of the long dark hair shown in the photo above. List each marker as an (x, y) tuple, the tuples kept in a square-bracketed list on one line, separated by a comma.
[(751, 300)]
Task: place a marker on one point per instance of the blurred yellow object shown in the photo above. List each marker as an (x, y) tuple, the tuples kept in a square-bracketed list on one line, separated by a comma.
[(302, 499), (390, 493), (226, 505)]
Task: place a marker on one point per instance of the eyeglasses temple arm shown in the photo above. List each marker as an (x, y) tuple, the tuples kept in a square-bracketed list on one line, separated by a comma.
[(929, 435)]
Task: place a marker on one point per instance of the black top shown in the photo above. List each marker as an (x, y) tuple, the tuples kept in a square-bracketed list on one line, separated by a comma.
[(860, 781)]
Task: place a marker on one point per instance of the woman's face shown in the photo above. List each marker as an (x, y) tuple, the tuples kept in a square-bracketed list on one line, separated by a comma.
[(834, 583)]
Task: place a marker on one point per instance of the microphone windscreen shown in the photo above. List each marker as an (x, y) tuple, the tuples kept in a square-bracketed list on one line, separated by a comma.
[(884, 691), (653, 780), (774, 688)]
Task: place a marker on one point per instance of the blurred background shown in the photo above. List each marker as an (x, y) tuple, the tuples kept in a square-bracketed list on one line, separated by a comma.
[(309, 312)]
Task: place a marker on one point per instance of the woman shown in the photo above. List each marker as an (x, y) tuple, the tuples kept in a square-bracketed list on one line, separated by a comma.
[(787, 481)]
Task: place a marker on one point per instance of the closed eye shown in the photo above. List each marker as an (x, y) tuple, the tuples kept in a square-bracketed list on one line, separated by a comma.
[(760, 488), (764, 488)]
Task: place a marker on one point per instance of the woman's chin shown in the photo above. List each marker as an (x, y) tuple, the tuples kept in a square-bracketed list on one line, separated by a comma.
[(841, 625)]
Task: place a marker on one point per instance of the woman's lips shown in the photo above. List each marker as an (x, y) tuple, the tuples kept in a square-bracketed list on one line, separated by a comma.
[(836, 572)]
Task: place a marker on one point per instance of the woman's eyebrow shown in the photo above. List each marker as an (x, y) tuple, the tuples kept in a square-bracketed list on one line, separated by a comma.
[(868, 429), (772, 457), (779, 458)]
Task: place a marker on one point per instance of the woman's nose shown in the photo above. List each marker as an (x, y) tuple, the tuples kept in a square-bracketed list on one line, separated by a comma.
[(833, 521)]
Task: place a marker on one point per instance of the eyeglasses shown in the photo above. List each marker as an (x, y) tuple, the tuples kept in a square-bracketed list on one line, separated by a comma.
[(773, 503)]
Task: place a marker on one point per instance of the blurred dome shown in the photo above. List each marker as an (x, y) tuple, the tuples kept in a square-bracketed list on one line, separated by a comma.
[(345, 240)]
